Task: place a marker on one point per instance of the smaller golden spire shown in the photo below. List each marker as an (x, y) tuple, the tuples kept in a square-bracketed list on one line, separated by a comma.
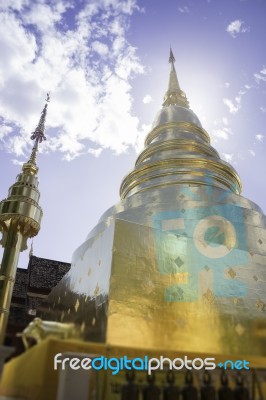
[(174, 95), (20, 219), (38, 136)]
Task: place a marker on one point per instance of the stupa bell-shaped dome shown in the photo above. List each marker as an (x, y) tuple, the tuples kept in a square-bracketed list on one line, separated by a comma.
[(175, 113)]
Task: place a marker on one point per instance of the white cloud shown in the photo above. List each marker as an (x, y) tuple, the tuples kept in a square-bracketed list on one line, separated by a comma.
[(183, 9), (17, 162), (147, 99), (236, 27), (17, 5), (16, 145), (88, 67), (225, 121), (263, 109), (44, 16), (145, 128), (252, 152), (260, 138), (227, 84), (4, 131), (221, 133), (261, 76), (100, 48), (227, 157), (95, 152), (223, 130), (234, 106)]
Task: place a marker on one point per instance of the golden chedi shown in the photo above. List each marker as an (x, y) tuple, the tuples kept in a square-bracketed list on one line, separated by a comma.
[(20, 219), (179, 263)]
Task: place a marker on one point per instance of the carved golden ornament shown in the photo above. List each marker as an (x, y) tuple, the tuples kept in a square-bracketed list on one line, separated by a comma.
[(3, 225), (27, 226), (30, 168)]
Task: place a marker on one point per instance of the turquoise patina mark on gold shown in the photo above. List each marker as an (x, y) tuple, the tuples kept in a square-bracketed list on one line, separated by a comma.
[(189, 240)]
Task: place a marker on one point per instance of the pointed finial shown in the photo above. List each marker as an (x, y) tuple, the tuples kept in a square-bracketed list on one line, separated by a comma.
[(38, 136), (174, 95), (171, 57)]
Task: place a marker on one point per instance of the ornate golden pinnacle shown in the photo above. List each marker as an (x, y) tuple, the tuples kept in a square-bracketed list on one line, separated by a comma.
[(38, 134)]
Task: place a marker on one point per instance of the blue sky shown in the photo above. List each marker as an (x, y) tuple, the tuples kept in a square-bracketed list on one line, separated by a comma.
[(106, 64)]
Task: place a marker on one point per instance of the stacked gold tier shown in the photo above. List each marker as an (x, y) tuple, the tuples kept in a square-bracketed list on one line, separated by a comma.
[(20, 218), (179, 263), (21, 205), (178, 152)]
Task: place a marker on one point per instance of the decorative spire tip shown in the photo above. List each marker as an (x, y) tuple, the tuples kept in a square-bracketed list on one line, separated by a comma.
[(171, 57), (38, 134)]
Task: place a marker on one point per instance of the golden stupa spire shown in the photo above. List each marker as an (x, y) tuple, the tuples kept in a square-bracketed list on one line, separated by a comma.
[(174, 95), (20, 219), (38, 136), (173, 81), (177, 150)]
